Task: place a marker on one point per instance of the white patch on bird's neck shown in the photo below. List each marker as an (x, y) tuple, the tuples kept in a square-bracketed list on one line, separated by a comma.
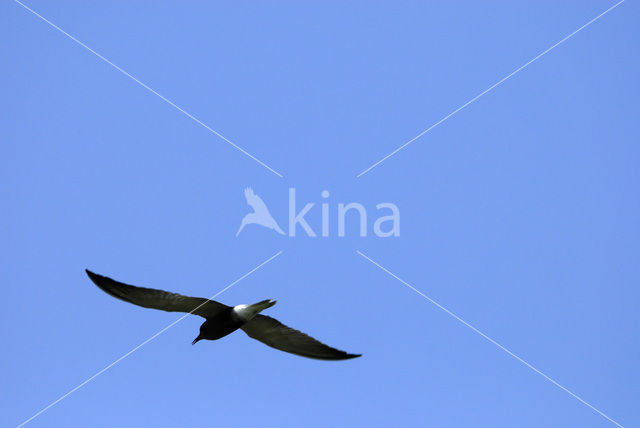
[(243, 312)]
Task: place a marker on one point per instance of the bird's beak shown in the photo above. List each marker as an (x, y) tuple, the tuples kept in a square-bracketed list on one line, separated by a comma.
[(196, 340)]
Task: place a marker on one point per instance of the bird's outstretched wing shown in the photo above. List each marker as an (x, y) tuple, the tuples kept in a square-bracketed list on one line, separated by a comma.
[(255, 201), (277, 335), (157, 299)]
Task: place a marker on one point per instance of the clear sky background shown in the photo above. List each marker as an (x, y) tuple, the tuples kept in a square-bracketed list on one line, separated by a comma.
[(519, 214)]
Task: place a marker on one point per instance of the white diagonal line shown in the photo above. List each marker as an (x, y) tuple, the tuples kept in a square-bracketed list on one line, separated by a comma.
[(488, 338), (489, 89), (147, 341), (171, 103)]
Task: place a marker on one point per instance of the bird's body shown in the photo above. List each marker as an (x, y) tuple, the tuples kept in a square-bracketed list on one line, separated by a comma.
[(221, 320), (220, 325), (230, 319)]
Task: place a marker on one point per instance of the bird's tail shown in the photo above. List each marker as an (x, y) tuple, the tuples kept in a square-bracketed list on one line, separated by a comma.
[(261, 306)]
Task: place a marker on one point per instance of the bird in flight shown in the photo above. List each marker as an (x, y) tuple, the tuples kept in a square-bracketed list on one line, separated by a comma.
[(221, 320), (260, 214)]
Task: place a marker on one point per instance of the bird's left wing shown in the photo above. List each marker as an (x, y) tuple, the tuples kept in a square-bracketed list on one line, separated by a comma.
[(157, 299), (277, 335)]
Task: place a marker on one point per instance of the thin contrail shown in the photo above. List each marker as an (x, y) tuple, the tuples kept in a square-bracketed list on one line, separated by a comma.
[(146, 341), (522, 67), (489, 339), (171, 103)]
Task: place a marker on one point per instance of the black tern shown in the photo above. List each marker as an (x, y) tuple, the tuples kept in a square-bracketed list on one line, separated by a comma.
[(222, 320)]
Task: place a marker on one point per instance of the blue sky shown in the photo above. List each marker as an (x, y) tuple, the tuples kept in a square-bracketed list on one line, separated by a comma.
[(519, 214)]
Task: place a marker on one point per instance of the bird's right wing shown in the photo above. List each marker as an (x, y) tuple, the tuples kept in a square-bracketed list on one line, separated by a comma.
[(157, 299), (277, 335)]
